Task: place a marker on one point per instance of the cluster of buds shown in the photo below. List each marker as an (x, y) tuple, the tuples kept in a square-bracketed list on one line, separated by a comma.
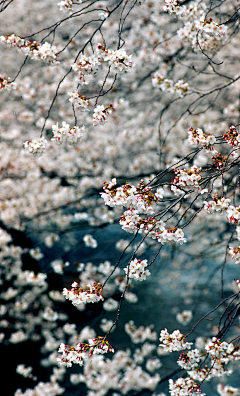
[(186, 178), (83, 351), (173, 342), (217, 204), (198, 137), (6, 84), (100, 114), (79, 100), (159, 80), (220, 160), (140, 197), (136, 269), (36, 147), (34, 50), (72, 136), (78, 296), (232, 137)]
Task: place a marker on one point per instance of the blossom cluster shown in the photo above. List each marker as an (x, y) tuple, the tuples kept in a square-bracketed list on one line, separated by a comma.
[(104, 15), (172, 6), (198, 137), (212, 28), (66, 5), (173, 342), (51, 388), (78, 296), (217, 204), (34, 50), (85, 65), (189, 360), (25, 371), (90, 241), (232, 137), (141, 333), (117, 59), (220, 353), (6, 84), (218, 349), (50, 239), (12, 40), (58, 266), (226, 390), (100, 114), (233, 213), (132, 222), (121, 373), (136, 269), (184, 317), (165, 84), (140, 197), (170, 236), (72, 136), (235, 253), (220, 160), (201, 33), (184, 386), (79, 100), (36, 147), (82, 351), (186, 178)]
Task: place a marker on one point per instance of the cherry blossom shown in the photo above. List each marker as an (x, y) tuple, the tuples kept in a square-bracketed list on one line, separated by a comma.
[(78, 296), (173, 342), (72, 136), (36, 147), (6, 84), (137, 269), (100, 114), (83, 351)]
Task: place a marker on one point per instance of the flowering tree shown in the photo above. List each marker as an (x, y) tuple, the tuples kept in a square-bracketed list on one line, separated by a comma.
[(121, 112)]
